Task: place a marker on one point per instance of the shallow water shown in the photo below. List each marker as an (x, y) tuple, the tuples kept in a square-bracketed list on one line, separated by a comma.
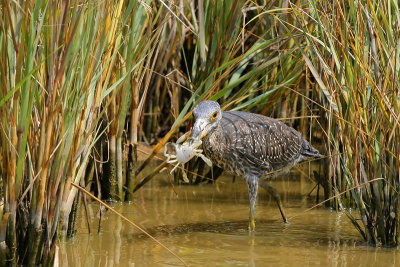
[(206, 225)]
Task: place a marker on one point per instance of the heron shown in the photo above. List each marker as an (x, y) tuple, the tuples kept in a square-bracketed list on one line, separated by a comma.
[(251, 146)]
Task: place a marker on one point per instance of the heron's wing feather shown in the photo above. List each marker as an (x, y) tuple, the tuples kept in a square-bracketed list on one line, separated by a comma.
[(262, 140), (253, 161)]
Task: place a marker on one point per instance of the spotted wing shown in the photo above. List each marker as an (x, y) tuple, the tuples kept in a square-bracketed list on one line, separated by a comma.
[(262, 142)]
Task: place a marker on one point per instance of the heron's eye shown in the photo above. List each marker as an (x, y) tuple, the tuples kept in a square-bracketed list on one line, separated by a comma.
[(214, 115)]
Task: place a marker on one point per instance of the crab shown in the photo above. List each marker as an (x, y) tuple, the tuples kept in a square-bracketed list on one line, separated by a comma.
[(184, 150)]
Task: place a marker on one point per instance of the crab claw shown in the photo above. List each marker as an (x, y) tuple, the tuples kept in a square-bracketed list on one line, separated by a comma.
[(169, 149), (184, 176)]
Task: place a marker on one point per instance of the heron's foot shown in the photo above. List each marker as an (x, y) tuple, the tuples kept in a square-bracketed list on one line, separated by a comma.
[(252, 225), (285, 221)]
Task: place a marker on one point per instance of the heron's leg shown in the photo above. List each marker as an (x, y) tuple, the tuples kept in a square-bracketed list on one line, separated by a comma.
[(274, 193), (252, 186)]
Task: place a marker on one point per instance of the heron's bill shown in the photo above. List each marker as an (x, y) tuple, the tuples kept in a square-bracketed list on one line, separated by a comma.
[(203, 134)]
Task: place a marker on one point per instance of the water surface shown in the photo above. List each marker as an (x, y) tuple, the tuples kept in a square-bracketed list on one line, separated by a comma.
[(206, 225)]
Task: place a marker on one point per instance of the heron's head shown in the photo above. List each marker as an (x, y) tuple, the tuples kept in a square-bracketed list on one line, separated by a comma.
[(207, 114)]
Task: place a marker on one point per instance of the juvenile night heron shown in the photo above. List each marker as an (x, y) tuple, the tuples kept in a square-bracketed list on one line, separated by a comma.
[(249, 145)]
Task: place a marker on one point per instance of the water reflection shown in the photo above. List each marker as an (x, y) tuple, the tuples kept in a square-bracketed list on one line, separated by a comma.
[(207, 226)]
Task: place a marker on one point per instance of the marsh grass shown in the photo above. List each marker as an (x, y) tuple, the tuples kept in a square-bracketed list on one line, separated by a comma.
[(352, 50), (62, 70)]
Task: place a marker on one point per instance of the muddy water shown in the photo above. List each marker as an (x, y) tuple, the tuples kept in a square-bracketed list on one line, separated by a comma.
[(206, 225)]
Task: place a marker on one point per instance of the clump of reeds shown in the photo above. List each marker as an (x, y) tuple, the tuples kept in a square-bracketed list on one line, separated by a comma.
[(351, 50), (63, 66)]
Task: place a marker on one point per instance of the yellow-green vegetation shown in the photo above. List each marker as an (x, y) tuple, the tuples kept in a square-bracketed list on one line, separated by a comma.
[(83, 81), (352, 50)]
